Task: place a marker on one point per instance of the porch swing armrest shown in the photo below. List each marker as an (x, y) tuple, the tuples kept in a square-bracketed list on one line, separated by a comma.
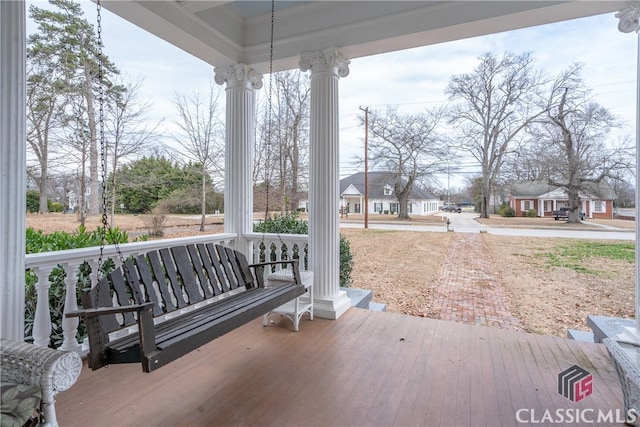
[(98, 338), (103, 311), (295, 266), (294, 262)]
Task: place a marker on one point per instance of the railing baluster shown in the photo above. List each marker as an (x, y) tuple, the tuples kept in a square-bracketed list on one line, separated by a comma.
[(42, 318), (70, 325), (93, 264)]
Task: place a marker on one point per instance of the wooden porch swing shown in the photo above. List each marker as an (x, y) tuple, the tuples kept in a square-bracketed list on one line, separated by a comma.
[(179, 297)]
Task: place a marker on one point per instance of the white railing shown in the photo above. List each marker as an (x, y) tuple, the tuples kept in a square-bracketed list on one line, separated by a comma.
[(42, 264), (281, 246)]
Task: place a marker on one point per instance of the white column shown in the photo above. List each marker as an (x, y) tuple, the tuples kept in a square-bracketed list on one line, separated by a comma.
[(242, 82), (629, 23), (324, 181), (12, 167)]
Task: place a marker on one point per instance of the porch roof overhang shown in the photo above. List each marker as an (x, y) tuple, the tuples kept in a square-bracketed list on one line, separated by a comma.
[(225, 33)]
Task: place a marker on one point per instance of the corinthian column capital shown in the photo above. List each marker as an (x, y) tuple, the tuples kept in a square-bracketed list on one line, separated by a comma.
[(240, 73), (325, 58), (629, 18)]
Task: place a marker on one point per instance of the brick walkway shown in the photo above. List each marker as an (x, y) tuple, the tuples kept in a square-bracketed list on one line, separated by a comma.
[(469, 292)]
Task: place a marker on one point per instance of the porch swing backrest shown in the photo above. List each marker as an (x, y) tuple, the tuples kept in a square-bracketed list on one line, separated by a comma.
[(180, 298)]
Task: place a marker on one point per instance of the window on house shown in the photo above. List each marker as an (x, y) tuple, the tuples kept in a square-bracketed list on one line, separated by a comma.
[(377, 207), (410, 207), (548, 206), (599, 206), (387, 190), (526, 205), (393, 208)]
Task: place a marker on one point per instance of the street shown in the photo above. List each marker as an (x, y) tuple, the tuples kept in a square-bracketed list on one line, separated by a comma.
[(465, 223)]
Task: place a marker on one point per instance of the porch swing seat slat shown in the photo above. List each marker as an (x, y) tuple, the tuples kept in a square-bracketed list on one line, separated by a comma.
[(183, 297)]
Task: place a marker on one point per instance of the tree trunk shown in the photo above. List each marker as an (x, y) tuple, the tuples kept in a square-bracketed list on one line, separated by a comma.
[(295, 164), (94, 181), (203, 204), (403, 197), (83, 188), (113, 198), (484, 205), (403, 211), (573, 196), (42, 186)]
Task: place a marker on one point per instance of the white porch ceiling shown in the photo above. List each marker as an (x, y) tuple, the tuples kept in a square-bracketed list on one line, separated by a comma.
[(229, 32)]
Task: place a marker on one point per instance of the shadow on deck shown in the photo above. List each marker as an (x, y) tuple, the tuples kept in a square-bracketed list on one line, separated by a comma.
[(366, 369)]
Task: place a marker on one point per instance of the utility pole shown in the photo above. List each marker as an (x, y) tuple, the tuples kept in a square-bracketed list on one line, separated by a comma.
[(366, 166)]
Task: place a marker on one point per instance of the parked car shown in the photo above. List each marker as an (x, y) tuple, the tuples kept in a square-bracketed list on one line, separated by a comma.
[(563, 212), (450, 208)]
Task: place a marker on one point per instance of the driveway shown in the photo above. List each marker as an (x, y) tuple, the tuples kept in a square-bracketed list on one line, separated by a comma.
[(465, 223)]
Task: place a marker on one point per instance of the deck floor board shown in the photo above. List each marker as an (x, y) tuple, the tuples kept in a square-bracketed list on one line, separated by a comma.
[(365, 369)]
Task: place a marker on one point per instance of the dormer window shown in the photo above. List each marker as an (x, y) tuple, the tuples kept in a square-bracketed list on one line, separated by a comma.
[(388, 190)]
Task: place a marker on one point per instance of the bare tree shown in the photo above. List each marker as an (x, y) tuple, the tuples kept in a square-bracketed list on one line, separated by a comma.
[(78, 137), (201, 135), (44, 110), (577, 150), (129, 134), (70, 44), (281, 145), (527, 162), (492, 105), (409, 147), (292, 122)]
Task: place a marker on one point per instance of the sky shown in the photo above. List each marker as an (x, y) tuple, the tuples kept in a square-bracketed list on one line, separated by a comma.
[(412, 79)]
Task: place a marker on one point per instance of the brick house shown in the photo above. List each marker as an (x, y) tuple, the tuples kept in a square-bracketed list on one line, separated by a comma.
[(595, 202)]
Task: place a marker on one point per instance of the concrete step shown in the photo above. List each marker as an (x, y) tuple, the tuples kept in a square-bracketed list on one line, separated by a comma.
[(585, 336), (359, 297), (377, 306)]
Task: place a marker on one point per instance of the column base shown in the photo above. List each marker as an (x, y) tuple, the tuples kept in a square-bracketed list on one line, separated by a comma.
[(331, 307)]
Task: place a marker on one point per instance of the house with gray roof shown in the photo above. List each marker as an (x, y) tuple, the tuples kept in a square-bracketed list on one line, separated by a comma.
[(596, 201), (381, 195)]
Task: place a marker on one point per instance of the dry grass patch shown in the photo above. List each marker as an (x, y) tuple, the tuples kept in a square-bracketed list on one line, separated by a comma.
[(174, 225), (400, 267), (552, 292)]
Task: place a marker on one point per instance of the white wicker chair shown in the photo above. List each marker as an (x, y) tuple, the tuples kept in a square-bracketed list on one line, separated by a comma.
[(629, 374), (51, 370)]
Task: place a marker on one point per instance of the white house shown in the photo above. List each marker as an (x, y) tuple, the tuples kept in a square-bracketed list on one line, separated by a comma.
[(381, 196)]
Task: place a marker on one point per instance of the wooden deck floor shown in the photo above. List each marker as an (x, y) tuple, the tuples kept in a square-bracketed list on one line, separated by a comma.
[(365, 369)]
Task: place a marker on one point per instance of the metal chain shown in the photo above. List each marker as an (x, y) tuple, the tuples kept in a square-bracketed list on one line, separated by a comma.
[(103, 165), (103, 231), (103, 150), (269, 127), (270, 114)]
